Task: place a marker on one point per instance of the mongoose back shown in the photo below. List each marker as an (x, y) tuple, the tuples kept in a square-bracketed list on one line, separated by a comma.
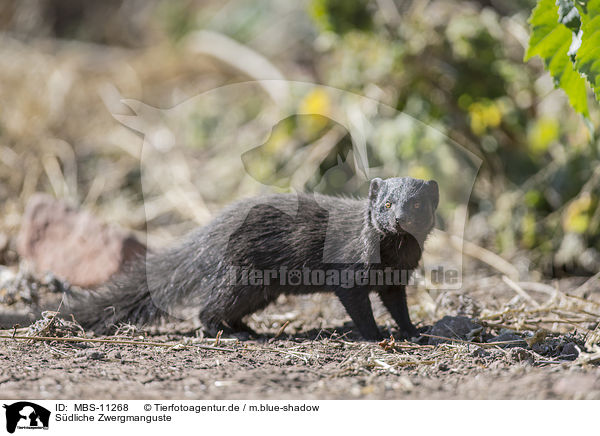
[(259, 248)]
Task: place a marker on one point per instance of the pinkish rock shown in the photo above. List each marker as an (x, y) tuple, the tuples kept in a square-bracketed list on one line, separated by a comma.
[(73, 244)]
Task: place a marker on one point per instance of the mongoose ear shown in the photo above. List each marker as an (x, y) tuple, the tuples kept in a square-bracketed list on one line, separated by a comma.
[(434, 191), (374, 188)]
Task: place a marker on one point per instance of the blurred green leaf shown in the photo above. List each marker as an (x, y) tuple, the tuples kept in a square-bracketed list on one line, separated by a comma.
[(568, 14), (551, 41), (577, 215), (340, 16), (543, 132), (588, 55)]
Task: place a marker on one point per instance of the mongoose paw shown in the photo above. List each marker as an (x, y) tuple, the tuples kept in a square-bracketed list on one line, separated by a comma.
[(409, 333), (372, 337)]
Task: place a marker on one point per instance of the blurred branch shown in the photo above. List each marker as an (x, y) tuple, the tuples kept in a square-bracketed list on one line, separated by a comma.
[(520, 291), (241, 57), (483, 255)]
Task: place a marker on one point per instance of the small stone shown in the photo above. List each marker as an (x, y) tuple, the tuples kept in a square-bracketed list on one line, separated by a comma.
[(443, 366), (479, 352), (521, 355), (516, 340), (95, 355), (455, 327), (569, 351), (541, 348)]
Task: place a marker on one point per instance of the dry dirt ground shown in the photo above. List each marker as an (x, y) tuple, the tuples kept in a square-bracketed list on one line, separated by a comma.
[(316, 356)]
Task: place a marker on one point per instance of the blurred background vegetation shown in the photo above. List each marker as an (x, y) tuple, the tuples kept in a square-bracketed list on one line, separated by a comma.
[(455, 67)]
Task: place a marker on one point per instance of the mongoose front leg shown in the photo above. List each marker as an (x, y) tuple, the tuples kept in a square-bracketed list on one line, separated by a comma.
[(394, 299), (357, 304)]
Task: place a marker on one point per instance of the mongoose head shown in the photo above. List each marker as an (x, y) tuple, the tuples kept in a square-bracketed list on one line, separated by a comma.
[(402, 205)]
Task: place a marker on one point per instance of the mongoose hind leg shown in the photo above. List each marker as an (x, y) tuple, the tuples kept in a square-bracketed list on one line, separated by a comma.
[(238, 329), (228, 315)]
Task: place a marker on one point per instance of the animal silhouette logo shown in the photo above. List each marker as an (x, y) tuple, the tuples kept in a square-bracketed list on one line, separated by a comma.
[(298, 137), (26, 415)]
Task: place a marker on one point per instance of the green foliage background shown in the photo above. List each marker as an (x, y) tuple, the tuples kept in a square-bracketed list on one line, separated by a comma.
[(566, 35), (462, 70), (458, 67)]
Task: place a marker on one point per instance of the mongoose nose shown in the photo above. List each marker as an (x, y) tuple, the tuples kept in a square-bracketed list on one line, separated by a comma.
[(402, 221)]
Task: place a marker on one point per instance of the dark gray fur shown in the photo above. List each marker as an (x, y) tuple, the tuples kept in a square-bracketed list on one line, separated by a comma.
[(267, 233)]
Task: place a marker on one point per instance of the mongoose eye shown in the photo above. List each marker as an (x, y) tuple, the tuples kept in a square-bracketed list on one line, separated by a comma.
[(417, 205), (388, 204)]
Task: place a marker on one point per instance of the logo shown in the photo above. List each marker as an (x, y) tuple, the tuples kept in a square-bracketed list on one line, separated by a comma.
[(26, 415), (298, 137)]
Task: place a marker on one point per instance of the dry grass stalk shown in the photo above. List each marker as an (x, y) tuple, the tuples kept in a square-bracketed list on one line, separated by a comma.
[(114, 341)]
